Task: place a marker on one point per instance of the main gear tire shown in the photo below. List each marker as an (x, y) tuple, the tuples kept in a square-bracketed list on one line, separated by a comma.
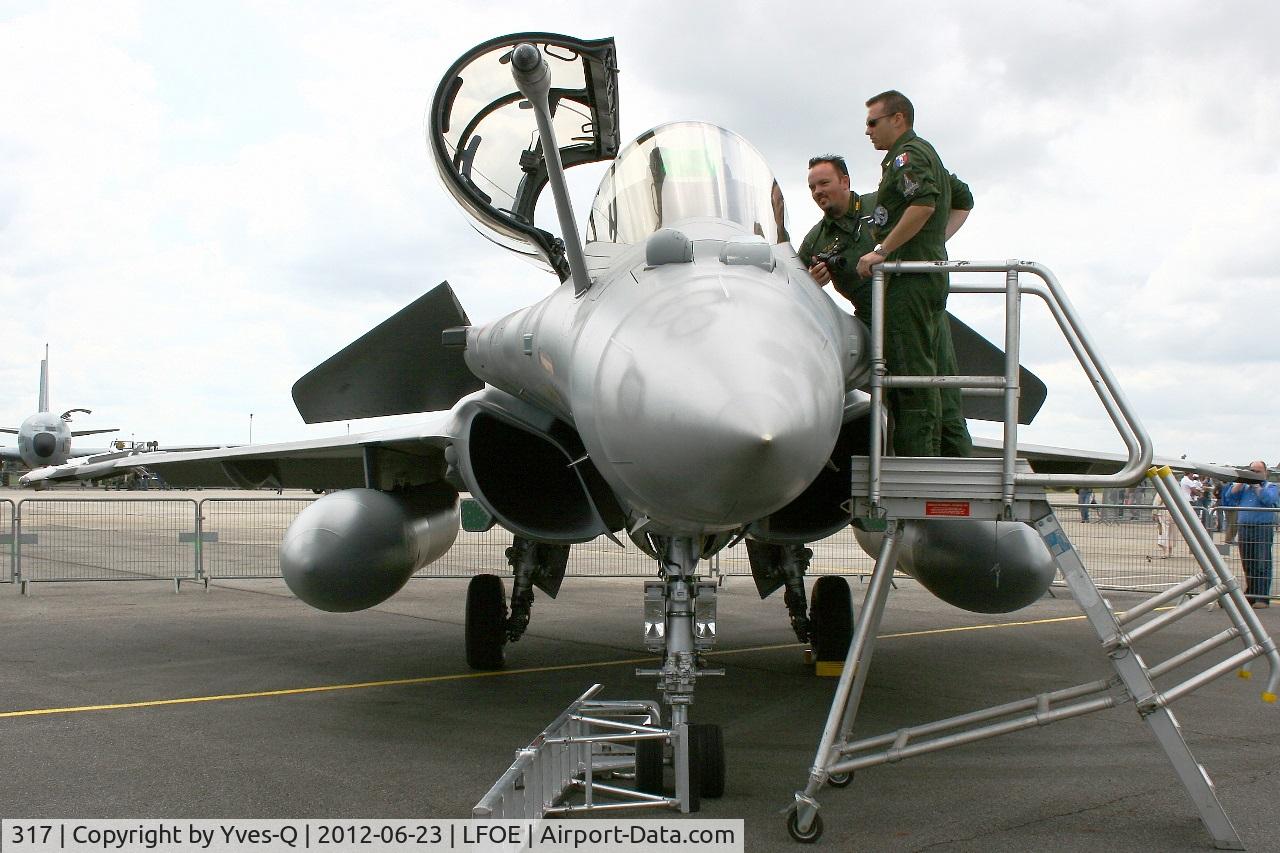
[(486, 623), (830, 618)]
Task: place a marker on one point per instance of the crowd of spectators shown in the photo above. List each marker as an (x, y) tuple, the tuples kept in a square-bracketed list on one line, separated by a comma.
[(1243, 510), (1136, 502)]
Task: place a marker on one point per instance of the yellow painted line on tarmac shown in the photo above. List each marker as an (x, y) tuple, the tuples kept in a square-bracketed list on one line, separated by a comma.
[(904, 634), (328, 688), (461, 676), (987, 627)]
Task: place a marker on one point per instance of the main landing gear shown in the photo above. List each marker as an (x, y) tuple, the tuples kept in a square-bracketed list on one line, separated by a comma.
[(827, 624), (490, 625)]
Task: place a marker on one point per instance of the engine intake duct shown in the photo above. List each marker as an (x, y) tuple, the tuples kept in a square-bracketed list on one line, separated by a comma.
[(534, 478)]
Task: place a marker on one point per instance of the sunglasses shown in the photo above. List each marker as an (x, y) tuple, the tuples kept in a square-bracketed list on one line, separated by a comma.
[(872, 122)]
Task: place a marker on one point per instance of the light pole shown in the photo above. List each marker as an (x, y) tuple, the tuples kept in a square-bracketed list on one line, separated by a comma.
[(251, 427)]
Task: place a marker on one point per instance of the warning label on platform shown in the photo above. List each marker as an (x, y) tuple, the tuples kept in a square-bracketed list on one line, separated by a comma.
[(953, 509)]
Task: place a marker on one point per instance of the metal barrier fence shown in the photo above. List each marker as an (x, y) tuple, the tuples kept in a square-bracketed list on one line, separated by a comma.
[(8, 540), (104, 539), (59, 539), (1119, 544), (240, 537)]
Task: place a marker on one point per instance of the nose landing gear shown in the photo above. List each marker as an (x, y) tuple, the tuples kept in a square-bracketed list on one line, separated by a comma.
[(680, 623)]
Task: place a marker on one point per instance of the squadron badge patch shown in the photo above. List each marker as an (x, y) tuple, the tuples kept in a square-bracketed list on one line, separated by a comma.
[(909, 186), (901, 160), (881, 215)]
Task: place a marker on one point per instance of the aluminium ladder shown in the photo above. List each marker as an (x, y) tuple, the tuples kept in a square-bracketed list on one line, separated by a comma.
[(889, 493), (589, 742)]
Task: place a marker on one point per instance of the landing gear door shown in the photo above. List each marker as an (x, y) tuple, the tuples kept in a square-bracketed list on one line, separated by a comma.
[(485, 142)]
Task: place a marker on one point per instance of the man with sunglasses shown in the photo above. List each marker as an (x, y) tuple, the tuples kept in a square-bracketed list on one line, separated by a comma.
[(911, 221)]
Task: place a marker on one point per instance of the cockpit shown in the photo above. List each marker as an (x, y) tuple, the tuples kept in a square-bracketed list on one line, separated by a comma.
[(682, 171)]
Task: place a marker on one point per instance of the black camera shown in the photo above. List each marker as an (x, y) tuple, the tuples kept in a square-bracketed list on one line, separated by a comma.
[(835, 261)]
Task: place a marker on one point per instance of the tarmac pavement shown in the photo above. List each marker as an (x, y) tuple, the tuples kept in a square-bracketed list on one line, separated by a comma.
[(242, 702)]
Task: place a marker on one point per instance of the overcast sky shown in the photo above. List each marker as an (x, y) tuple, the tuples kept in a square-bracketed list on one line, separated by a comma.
[(200, 201)]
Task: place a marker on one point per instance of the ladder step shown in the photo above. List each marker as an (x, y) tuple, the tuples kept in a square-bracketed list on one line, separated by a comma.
[(1173, 593), (1186, 608)]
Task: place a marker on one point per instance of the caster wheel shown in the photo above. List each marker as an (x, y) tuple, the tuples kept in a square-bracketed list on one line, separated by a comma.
[(839, 780), (486, 622), (793, 828)]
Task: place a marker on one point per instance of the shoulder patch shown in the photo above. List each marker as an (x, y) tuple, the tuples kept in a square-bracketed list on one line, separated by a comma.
[(901, 160), (909, 186)]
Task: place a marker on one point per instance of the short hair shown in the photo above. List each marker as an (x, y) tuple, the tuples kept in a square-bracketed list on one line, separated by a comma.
[(895, 102), (834, 159)]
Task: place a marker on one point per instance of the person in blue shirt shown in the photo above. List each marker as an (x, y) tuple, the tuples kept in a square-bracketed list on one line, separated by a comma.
[(1256, 503)]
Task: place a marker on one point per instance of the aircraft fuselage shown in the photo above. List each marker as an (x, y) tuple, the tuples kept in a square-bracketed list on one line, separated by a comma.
[(44, 439), (707, 393)]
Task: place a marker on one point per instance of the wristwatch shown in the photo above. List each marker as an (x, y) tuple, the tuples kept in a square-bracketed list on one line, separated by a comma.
[(880, 250)]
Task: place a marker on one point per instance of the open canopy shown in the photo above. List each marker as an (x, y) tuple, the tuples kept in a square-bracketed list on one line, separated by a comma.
[(485, 142)]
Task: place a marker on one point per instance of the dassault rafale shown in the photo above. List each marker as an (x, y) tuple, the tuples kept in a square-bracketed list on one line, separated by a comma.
[(685, 385)]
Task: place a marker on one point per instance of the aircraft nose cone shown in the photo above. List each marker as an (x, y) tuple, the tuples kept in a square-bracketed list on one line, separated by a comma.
[(716, 405), (43, 444)]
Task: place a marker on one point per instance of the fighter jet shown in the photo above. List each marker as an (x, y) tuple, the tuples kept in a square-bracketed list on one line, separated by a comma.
[(685, 385), (44, 439)]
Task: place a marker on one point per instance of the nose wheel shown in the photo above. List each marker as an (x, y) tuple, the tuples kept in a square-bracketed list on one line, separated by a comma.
[(706, 764), (706, 751)]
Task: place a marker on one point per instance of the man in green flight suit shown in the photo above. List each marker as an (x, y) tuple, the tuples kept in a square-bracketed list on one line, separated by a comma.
[(910, 223), (843, 236)]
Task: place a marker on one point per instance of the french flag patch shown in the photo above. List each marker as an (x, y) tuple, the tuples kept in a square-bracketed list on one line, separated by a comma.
[(901, 160)]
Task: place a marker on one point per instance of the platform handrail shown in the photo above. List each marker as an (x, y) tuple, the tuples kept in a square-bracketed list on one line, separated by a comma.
[(1117, 406)]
